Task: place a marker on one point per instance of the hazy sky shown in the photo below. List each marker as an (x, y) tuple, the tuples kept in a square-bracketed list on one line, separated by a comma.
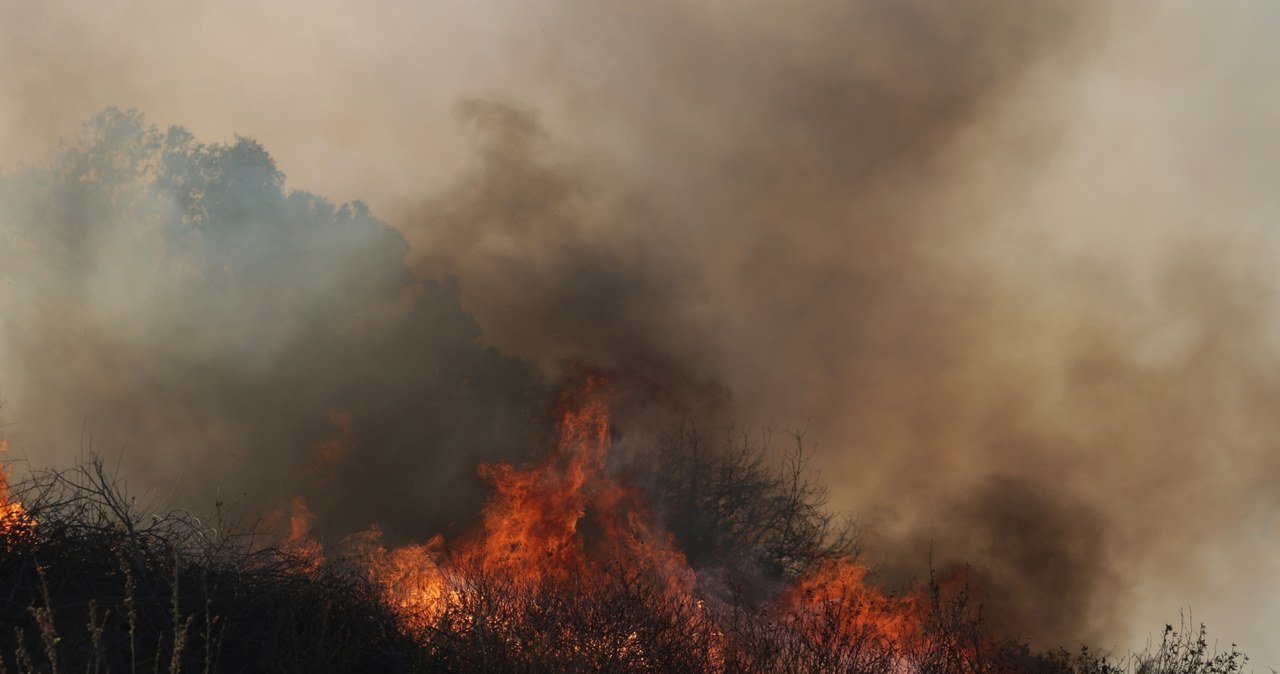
[(1014, 263)]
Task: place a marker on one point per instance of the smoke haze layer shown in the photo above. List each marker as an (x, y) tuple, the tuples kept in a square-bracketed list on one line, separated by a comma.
[(1014, 263), (233, 340)]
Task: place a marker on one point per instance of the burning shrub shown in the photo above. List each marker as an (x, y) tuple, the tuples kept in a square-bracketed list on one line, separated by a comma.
[(624, 622), (567, 572)]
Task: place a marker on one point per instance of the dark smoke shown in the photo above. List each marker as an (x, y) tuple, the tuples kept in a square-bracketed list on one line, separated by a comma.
[(1043, 561), (796, 249), (834, 215)]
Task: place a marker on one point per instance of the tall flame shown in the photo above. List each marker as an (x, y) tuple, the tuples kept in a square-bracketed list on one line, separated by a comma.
[(566, 516), (563, 519), (568, 523), (564, 535)]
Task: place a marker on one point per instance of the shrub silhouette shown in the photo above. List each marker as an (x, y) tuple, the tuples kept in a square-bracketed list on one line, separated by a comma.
[(101, 584)]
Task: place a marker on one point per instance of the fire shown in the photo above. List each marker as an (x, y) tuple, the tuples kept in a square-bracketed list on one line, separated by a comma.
[(14, 520), (565, 553), (410, 577), (300, 544), (568, 565), (566, 516), (562, 521), (838, 591)]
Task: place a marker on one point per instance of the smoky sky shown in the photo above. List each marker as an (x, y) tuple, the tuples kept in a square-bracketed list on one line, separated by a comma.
[(1011, 264)]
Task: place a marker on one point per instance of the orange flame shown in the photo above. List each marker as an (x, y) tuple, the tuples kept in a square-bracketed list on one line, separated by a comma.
[(566, 516), (838, 592), (410, 577), (15, 522), (300, 543), (567, 522)]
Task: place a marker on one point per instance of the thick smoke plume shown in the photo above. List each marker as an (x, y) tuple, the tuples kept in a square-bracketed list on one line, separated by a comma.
[(1011, 262)]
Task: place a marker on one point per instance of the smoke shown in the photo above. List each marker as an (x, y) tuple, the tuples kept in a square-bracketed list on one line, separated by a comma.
[(789, 221), (1012, 263), (219, 334)]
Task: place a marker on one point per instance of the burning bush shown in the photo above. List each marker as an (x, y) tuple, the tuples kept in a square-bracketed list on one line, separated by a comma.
[(567, 572)]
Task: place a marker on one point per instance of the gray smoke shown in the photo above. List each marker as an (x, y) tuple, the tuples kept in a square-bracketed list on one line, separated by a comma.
[(228, 339)]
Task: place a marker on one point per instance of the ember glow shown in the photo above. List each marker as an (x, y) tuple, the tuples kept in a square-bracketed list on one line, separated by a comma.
[(14, 519)]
